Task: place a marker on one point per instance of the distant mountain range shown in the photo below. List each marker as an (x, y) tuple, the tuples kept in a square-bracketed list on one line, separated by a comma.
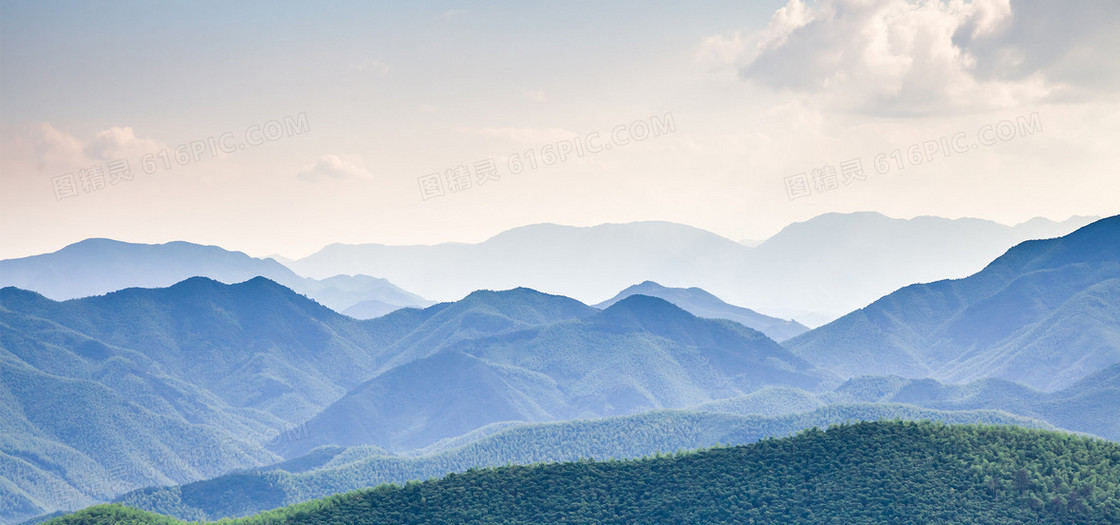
[(1045, 314), (813, 271), (99, 266), (164, 386)]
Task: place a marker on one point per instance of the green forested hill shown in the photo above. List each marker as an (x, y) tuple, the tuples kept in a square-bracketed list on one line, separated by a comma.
[(1083, 407), (334, 471), (885, 472)]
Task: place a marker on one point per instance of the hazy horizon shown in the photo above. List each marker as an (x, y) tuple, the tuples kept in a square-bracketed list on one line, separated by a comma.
[(749, 243)]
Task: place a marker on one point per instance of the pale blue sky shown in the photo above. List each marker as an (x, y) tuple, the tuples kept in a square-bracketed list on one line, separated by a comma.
[(393, 91)]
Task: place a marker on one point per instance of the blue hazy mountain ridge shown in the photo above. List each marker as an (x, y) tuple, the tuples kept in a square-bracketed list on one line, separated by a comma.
[(210, 371), (84, 420), (703, 304), (1089, 405), (256, 344), (99, 266), (1045, 314), (369, 309), (142, 386), (356, 293), (640, 354), (838, 262), (581, 263), (812, 271), (68, 443), (483, 313)]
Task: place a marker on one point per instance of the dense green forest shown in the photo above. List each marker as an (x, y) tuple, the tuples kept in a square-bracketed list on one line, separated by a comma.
[(1088, 406), (882, 472), (332, 471)]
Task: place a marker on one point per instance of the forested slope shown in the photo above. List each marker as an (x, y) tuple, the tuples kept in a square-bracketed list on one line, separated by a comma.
[(886, 472)]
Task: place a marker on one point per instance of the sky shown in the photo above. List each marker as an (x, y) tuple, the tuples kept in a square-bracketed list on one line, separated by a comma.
[(282, 127)]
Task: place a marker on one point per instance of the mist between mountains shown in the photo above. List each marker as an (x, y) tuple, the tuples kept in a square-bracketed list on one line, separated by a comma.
[(829, 177), (99, 176), (197, 454), (463, 177), (193, 457)]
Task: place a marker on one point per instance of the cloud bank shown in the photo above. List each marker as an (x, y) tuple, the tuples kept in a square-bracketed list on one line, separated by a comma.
[(51, 149), (898, 57)]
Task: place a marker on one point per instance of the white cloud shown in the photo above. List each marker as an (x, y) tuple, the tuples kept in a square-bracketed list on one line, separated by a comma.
[(334, 167), (718, 50), (785, 21), (1072, 44), (52, 149), (923, 56), (49, 148), (120, 143)]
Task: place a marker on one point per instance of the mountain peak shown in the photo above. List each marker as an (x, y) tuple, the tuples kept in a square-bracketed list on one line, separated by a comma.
[(644, 310), (1111, 225), (647, 287), (1094, 242), (521, 301), (261, 281), (197, 282), (207, 287), (670, 294), (505, 295), (1042, 307), (11, 295), (701, 303)]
